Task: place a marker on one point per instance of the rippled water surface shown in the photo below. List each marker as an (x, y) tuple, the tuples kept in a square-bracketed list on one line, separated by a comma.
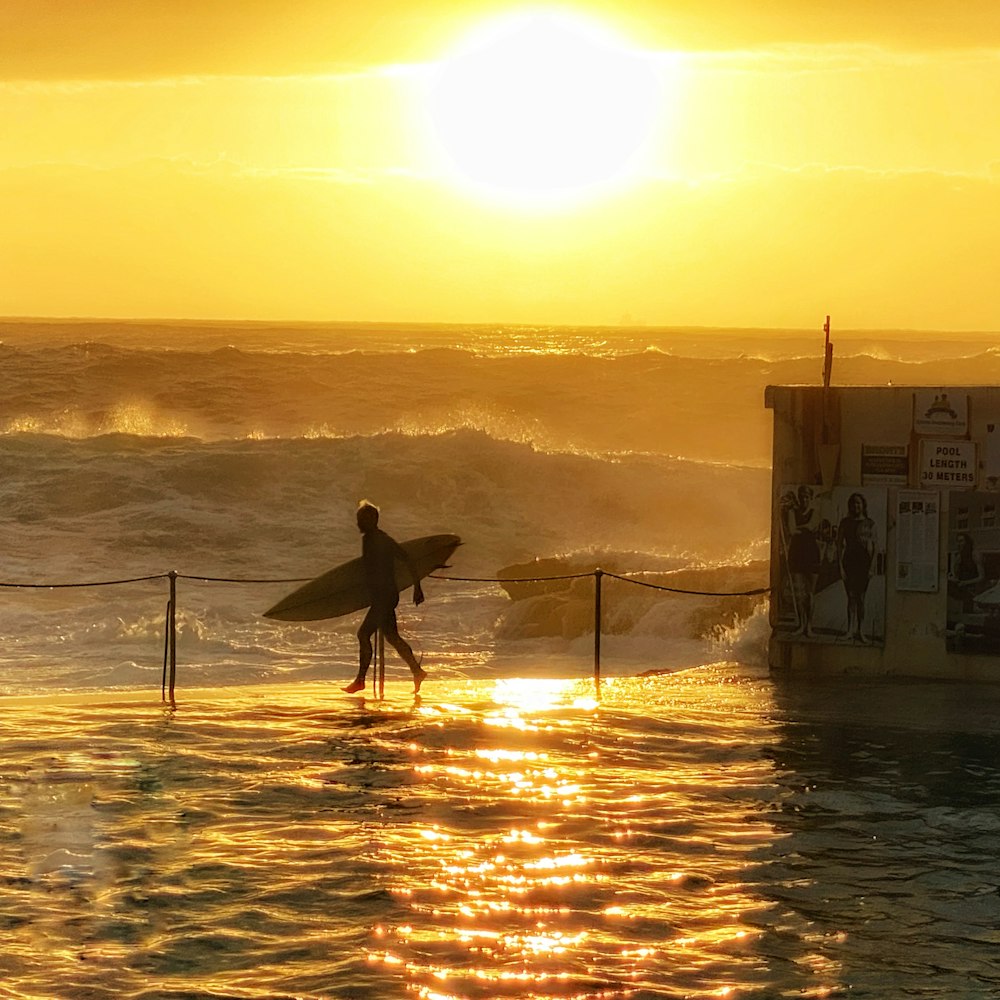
[(702, 834)]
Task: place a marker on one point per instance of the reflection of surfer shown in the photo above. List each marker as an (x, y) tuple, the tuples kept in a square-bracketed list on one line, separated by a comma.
[(379, 553)]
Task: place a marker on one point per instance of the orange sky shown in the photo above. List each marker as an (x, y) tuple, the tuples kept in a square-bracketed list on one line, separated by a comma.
[(244, 159)]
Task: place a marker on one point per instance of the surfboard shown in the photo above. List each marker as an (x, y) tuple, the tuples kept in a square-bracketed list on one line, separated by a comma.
[(343, 589)]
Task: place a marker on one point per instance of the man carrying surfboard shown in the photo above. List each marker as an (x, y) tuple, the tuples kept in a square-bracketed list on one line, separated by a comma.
[(379, 554)]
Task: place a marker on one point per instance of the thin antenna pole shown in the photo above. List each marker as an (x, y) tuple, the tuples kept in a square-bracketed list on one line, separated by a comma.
[(827, 355)]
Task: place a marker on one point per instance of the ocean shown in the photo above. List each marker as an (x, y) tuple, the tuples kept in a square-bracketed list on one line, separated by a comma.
[(691, 830)]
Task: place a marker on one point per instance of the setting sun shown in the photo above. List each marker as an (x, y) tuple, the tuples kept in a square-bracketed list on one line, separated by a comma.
[(539, 162), (543, 106)]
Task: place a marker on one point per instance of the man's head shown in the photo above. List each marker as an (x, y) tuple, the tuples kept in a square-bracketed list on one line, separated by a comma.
[(367, 516)]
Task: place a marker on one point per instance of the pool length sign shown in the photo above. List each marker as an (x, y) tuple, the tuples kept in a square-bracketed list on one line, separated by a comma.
[(948, 464)]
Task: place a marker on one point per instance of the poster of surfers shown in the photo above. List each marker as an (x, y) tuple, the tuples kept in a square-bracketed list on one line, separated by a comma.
[(832, 586), (973, 617)]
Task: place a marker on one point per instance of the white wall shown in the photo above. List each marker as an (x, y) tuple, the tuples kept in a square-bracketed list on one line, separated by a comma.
[(818, 438)]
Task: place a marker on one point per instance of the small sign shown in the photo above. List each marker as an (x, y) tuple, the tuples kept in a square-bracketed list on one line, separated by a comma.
[(948, 463), (991, 458), (885, 464), (917, 533), (940, 411)]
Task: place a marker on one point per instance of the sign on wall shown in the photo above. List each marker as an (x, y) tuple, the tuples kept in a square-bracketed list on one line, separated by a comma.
[(832, 569), (973, 605), (885, 465), (941, 412), (917, 533), (948, 464), (991, 458)]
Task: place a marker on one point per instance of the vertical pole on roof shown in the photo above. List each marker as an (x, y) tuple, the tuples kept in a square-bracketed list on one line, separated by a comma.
[(827, 355)]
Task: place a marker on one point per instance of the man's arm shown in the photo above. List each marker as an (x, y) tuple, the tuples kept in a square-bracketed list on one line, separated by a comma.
[(418, 593)]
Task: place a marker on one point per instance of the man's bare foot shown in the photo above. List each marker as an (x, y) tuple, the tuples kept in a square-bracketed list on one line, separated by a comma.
[(355, 686), (418, 678)]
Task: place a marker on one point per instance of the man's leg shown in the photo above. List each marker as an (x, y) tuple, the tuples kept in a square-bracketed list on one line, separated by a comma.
[(365, 633), (402, 647)]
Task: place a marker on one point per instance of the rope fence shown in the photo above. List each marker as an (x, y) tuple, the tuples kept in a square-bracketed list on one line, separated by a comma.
[(170, 625)]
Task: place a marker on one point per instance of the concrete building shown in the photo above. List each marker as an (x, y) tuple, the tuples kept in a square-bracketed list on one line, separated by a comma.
[(885, 534)]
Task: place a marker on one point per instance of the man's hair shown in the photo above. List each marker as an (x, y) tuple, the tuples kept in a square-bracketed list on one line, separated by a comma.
[(367, 509)]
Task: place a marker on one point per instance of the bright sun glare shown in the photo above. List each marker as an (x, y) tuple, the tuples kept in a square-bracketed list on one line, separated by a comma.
[(543, 106)]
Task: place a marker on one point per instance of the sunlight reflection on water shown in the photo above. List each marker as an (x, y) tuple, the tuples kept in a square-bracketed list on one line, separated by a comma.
[(593, 890), (703, 834)]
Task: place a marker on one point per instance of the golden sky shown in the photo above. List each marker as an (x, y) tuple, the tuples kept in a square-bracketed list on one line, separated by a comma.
[(709, 162)]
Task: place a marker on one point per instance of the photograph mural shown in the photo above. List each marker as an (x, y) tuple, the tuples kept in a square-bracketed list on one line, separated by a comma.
[(973, 615), (832, 586)]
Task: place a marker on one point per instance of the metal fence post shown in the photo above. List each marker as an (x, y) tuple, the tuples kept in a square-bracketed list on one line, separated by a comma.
[(598, 576), (381, 665), (166, 651), (172, 631)]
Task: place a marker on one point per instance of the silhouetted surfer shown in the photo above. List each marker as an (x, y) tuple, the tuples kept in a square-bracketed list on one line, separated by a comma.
[(379, 553)]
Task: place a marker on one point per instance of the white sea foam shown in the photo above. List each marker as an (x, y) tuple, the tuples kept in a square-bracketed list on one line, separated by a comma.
[(129, 450)]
